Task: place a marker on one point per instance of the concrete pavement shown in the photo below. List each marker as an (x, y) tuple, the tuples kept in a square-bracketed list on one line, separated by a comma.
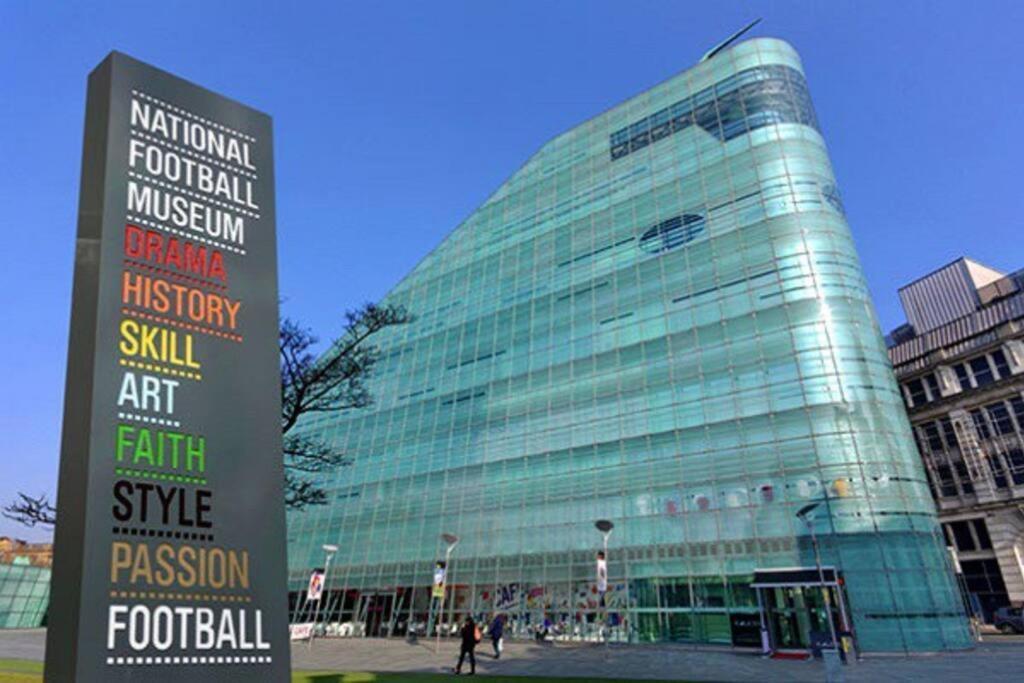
[(998, 658)]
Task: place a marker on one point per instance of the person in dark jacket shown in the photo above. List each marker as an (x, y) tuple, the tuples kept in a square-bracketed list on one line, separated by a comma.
[(497, 630), (470, 637)]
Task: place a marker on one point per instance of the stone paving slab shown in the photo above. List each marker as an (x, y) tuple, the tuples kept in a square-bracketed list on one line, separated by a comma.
[(997, 659), (654, 662)]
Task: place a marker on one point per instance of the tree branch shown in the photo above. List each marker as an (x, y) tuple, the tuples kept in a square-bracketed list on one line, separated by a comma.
[(31, 511), (333, 382)]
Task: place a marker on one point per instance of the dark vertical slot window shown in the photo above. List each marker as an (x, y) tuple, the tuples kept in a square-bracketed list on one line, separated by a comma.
[(948, 433), (1002, 367), (998, 472), (933, 385), (947, 486), (965, 478), (1000, 418), (984, 580), (919, 443), (917, 395), (1017, 404), (931, 432), (982, 371), (980, 424), (1015, 458), (962, 376), (981, 531), (983, 576), (962, 534)]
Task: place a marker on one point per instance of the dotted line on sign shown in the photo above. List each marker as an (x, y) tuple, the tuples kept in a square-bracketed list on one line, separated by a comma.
[(204, 240), (185, 112), (233, 168), (160, 476), (179, 323), (184, 659), (159, 368), (161, 595), (151, 420), (184, 535), (146, 178), (188, 279)]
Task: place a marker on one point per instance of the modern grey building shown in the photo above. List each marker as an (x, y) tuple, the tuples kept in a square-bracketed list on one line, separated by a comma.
[(960, 363)]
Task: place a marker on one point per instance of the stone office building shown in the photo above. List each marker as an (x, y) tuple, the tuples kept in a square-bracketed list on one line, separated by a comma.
[(960, 363)]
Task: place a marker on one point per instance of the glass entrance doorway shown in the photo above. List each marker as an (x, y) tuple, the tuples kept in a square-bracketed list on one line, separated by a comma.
[(796, 616), (377, 609), (796, 607)]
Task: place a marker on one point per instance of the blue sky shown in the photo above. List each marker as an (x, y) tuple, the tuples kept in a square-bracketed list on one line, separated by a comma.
[(393, 120)]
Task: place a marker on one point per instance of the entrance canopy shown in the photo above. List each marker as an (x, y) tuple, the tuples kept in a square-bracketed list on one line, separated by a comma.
[(793, 576)]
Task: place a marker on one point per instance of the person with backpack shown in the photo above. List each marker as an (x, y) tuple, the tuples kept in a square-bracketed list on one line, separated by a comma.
[(496, 631), (470, 637)]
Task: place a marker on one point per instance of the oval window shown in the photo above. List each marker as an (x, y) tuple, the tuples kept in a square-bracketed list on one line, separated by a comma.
[(672, 233)]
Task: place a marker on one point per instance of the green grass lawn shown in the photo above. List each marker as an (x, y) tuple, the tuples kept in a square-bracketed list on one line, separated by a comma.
[(20, 671)]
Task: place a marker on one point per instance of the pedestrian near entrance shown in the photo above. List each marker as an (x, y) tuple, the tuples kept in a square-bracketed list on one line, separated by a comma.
[(497, 630), (470, 637)]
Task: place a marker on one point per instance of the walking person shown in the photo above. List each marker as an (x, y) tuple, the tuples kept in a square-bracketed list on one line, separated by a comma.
[(470, 637), (497, 630)]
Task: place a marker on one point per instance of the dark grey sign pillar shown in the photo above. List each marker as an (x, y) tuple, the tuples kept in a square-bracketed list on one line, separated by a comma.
[(169, 559)]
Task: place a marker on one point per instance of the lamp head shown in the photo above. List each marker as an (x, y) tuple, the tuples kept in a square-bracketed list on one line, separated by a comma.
[(604, 525), (330, 548), (807, 509), (450, 539)]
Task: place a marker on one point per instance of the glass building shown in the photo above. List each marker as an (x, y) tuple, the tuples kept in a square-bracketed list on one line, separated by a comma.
[(24, 594), (659, 320)]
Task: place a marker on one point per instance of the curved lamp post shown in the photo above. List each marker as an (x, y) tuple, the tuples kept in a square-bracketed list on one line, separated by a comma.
[(605, 526), (329, 551), (450, 540), (804, 514)]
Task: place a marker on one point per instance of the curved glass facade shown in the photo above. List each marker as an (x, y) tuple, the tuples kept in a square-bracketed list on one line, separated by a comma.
[(660, 319), (24, 594)]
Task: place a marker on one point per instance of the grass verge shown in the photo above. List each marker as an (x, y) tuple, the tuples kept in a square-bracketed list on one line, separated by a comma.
[(21, 671)]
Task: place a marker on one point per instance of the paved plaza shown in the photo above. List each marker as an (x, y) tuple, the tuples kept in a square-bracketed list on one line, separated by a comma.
[(998, 658)]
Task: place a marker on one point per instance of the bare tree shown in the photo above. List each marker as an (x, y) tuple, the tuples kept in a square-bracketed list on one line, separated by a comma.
[(332, 382), (31, 511)]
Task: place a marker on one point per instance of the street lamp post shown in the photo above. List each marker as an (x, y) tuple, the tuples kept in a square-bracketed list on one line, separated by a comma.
[(804, 515), (329, 551), (605, 526), (451, 540)]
